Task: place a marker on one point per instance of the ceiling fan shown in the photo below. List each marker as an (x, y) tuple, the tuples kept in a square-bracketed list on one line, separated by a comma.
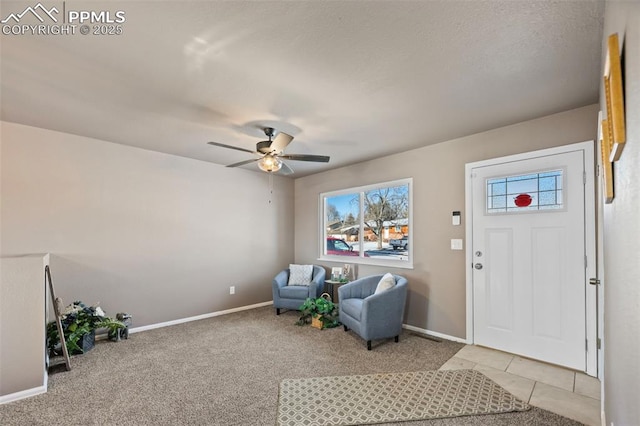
[(271, 153)]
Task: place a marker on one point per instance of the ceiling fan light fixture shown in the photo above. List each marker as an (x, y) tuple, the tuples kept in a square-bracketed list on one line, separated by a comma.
[(271, 153), (270, 163)]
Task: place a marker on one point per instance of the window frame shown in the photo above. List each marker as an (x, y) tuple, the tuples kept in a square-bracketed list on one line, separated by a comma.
[(360, 259)]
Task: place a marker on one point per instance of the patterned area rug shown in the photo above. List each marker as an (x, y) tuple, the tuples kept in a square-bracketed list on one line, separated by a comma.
[(379, 398)]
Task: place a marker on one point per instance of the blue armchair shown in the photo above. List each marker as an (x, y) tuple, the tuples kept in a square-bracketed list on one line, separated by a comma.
[(292, 296), (373, 316)]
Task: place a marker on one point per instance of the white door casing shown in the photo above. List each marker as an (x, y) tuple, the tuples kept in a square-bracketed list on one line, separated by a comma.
[(531, 296)]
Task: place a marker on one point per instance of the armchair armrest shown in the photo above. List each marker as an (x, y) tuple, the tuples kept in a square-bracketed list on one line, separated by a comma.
[(280, 280), (388, 304), (318, 276), (317, 282)]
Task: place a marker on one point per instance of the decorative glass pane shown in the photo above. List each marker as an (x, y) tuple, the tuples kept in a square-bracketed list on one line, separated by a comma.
[(535, 191), (547, 198), (547, 183), (499, 202), (498, 188)]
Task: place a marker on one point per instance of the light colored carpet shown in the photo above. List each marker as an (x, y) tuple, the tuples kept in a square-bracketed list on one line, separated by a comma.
[(226, 371), (392, 397)]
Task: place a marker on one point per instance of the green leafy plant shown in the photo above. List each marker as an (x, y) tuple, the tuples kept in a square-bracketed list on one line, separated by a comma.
[(77, 320), (321, 308)]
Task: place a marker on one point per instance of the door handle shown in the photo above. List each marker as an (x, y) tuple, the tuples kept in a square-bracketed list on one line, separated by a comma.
[(478, 266)]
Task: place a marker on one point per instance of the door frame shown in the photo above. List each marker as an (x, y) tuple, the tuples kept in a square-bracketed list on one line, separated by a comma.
[(592, 314)]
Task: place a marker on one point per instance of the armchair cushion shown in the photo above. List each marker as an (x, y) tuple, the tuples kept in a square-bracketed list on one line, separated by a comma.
[(300, 274), (295, 292), (387, 282)]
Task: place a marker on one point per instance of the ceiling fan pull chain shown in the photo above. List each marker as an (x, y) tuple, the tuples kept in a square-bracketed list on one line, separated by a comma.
[(270, 186)]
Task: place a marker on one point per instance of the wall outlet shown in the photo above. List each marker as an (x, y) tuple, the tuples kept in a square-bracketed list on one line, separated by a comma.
[(232, 289), (456, 244)]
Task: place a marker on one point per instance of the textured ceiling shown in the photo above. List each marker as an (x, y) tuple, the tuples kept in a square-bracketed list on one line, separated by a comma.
[(353, 80)]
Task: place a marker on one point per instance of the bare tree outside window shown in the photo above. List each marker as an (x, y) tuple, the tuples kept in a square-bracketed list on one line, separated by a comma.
[(371, 224), (385, 206), (333, 215), (350, 220)]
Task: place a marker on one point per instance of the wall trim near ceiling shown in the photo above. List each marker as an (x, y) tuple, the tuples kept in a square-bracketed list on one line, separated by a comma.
[(199, 317), (433, 333)]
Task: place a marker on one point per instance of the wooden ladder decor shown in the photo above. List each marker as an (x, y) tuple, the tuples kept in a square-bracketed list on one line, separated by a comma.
[(57, 307)]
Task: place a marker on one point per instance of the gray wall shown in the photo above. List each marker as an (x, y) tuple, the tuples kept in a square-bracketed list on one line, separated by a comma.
[(436, 300), (622, 237), (159, 236)]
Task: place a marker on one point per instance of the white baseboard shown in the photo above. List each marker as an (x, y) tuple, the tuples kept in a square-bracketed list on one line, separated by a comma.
[(198, 317), (433, 333), (43, 389), (22, 394)]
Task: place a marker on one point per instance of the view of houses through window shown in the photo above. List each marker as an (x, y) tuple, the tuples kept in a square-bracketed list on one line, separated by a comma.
[(370, 222)]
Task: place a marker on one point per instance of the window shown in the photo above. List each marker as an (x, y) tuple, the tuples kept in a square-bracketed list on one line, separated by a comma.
[(533, 191), (369, 224)]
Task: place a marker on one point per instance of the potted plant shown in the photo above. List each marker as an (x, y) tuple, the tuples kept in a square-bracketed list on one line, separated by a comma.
[(320, 313), (79, 323)]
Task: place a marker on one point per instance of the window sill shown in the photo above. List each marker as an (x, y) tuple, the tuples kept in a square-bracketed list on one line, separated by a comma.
[(400, 264)]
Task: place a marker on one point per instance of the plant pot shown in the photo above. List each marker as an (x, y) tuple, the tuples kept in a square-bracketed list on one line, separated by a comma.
[(86, 342), (316, 321)]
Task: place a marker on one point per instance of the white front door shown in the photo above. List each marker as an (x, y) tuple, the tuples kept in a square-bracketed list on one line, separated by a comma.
[(528, 253)]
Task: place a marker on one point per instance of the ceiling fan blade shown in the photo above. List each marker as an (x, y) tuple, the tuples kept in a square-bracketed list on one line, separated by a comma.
[(304, 157), (242, 163), (280, 142), (231, 147), (285, 170)]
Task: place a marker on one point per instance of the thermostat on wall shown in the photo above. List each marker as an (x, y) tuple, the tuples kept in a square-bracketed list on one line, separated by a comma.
[(455, 218)]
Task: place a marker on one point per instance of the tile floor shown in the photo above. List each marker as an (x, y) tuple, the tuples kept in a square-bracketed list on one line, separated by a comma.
[(566, 392)]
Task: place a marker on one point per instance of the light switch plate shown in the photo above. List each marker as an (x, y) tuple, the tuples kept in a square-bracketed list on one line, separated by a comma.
[(456, 244)]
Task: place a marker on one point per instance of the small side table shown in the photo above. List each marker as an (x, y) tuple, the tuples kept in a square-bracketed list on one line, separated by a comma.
[(331, 287)]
